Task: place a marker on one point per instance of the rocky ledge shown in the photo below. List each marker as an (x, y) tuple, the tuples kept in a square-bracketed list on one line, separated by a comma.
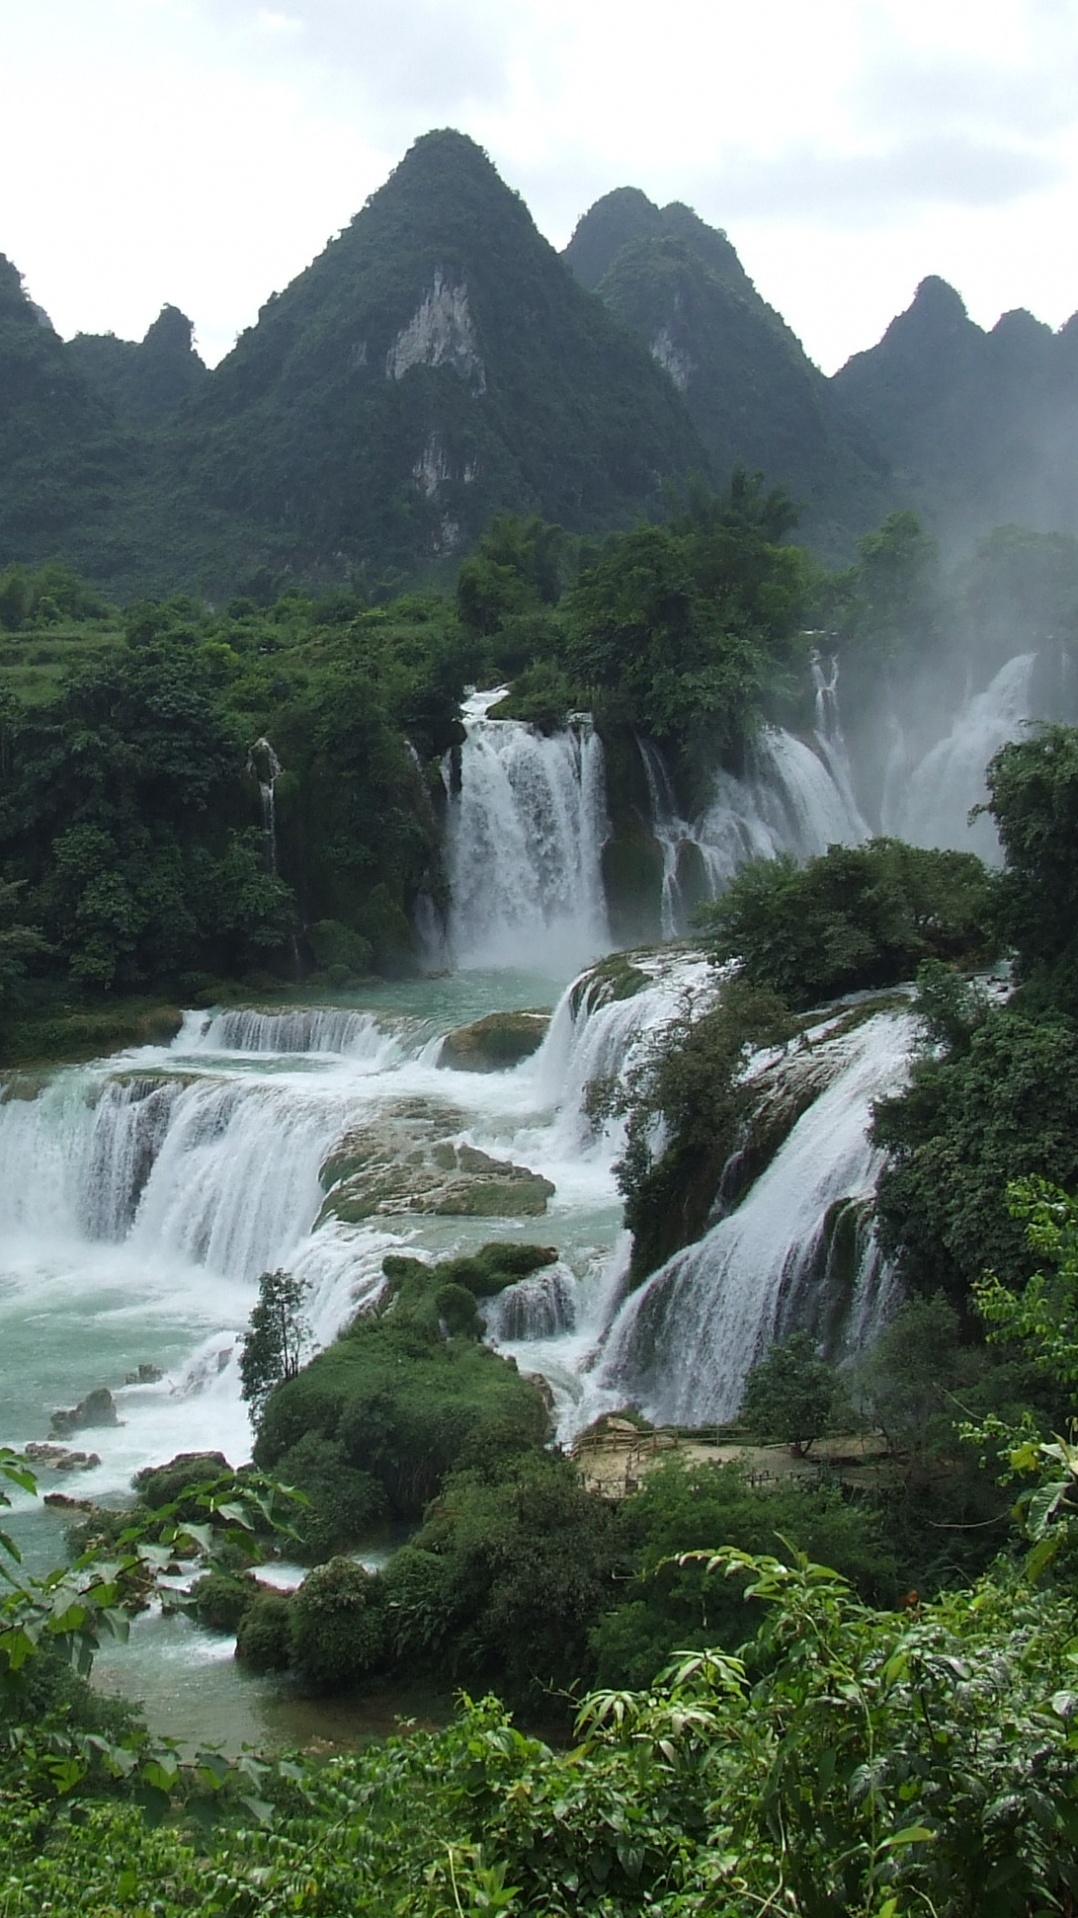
[(406, 1163)]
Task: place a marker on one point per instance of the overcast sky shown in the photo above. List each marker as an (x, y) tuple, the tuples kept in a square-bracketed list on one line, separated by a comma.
[(202, 151)]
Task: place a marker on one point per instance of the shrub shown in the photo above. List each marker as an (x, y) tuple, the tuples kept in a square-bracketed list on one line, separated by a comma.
[(345, 1502), (793, 1395), (264, 1636), (859, 916), (337, 1635)]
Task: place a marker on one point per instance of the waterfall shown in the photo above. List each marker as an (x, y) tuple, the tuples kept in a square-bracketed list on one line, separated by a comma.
[(929, 801), (831, 741), (219, 1172), (595, 1038), (359, 1036), (540, 1307), (264, 765), (672, 833), (525, 835), (681, 1345), (790, 799)]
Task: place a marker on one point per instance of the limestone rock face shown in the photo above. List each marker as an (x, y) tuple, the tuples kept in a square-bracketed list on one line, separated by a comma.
[(408, 1162), (440, 333)]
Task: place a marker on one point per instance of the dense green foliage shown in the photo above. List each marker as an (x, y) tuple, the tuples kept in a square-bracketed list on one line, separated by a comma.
[(793, 1395), (668, 1606), (858, 916), (132, 819), (408, 1394), (866, 1762), (1033, 787), (686, 630), (1005, 1106)]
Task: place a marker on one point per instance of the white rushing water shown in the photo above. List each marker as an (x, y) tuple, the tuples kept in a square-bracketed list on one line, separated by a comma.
[(928, 800), (524, 844), (141, 1198), (793, 797), (682, 1344)]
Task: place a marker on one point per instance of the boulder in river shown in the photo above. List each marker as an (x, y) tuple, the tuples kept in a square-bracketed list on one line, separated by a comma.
[(404, 1163), (98, 1408), (495, 1043)]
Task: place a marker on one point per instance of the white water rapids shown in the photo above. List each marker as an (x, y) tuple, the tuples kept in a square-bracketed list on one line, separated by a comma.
[(140, 1198), (524, 843)]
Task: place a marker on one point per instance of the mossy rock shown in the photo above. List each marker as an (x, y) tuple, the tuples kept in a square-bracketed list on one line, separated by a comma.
[(633, 882), (614, 978), (497, 1265), (67, 1035), (496, 1043), (397, 1166)]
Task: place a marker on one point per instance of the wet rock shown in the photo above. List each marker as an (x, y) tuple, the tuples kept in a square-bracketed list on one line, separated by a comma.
[(145, 1375), (98, 1408), (63, 1502), (59, 1458), (495, 1043), (404, 1163)]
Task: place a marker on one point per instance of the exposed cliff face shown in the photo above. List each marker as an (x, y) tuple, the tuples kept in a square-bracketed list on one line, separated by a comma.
[(440, 333)]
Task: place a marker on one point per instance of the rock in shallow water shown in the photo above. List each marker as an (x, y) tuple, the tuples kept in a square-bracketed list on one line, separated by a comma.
[(405, 1163), (97, 1408), (495, 1043)]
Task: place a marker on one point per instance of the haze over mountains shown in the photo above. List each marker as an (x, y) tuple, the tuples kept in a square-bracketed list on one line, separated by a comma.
[(439, 363)]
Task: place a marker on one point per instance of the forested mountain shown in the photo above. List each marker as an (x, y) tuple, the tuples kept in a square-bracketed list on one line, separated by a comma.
[(63, 455), (439, 364), (434, 365), (751, 391), (980, 427), (144, 380)]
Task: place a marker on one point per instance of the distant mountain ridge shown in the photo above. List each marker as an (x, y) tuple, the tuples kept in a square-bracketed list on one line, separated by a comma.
[(751, 391), (981, 428), (439, 363)]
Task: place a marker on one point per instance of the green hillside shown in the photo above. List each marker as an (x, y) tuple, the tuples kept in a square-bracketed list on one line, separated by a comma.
[(435, 365), (981, 427), (752, 393)]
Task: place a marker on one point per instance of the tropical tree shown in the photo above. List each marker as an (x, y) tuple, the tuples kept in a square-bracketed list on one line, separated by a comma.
[(273, 1344)]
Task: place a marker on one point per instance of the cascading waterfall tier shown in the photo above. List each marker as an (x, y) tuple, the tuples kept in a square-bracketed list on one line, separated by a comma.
[(525, 834), (681, 1345), (791, 798), (929, 801), (141, 1198), (319, 1029)]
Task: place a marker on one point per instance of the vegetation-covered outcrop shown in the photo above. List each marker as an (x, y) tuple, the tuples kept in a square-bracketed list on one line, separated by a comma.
[(408, 1394), (855, 918)]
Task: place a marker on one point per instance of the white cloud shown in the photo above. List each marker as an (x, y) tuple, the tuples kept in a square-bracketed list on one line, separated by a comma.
[(276, 24)]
